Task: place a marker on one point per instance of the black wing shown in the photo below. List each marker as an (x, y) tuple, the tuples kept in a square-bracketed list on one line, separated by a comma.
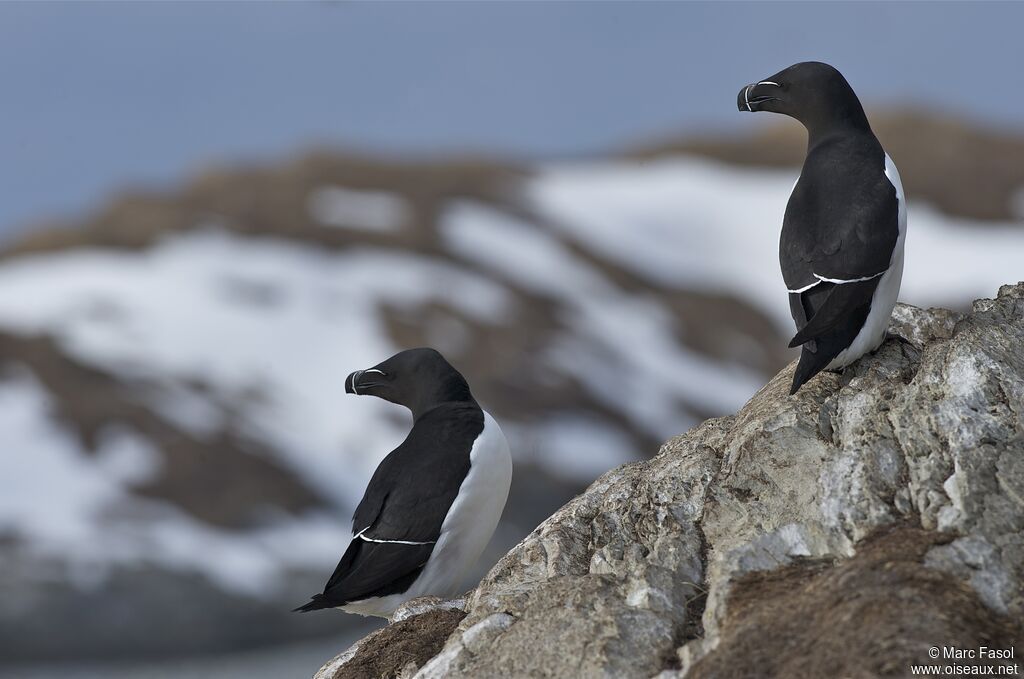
[(414, 487), (841, 313), (840, 230), (829, 307), (842, 220), (404, 506)]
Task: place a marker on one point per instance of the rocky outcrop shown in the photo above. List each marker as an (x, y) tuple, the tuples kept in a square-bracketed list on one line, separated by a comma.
[(840, 532)]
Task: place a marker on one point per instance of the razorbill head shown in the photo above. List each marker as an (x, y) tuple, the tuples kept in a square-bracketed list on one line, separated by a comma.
[(433, 502), (842, 236)]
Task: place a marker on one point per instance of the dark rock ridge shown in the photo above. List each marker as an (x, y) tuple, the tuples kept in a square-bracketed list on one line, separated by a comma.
[(840, 532)]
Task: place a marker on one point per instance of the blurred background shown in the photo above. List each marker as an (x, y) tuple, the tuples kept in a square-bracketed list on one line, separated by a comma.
[(211, 213)]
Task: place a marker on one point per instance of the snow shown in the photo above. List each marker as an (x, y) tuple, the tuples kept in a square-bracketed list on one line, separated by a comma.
[(519, 252), (43, 464), (621, 346), (188, 408), (952, 261), (287, 361), (75, 506), (262, 331), (699, 224), (358, 209), (126, 457), (281, 365)]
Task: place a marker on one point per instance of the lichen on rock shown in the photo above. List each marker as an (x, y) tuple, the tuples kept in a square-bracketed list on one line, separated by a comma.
[(880, 509)]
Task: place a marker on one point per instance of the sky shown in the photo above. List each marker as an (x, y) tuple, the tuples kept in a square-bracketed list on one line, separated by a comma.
[(99, 97)]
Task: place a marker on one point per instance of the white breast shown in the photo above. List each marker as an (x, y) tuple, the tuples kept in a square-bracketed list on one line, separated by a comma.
[(467, 528), (473, 516), (884, 299)]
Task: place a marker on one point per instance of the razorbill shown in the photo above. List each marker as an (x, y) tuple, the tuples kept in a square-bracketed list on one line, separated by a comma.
[(433, 502), (842, 237)]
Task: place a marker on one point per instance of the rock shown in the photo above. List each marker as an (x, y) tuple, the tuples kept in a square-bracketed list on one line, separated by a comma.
[(425, 604), (775, 620), (839, 532), (416, 633)]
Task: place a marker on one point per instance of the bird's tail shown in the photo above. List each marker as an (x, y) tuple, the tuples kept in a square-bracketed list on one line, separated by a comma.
[(805, 370), (811, 363), (315, 604)]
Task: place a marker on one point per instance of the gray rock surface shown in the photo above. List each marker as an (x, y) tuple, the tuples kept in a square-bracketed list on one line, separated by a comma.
[(905, 475)]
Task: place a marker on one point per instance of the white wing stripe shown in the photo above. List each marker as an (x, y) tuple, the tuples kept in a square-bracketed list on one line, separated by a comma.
[(840, 281), (393, 542), (397, 542), (805, 288), (849, 280)]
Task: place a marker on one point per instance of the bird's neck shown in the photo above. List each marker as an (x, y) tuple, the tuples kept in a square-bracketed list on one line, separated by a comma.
[(450, 390), (845, 122), (824, 136), (426, 410), (453, 394)]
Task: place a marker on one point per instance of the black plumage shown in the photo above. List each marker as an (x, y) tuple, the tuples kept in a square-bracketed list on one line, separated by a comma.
[(841, 225), (413, 488)]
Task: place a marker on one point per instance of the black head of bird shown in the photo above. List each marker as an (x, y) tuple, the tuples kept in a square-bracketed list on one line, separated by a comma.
[(418, 379), (812, 92)]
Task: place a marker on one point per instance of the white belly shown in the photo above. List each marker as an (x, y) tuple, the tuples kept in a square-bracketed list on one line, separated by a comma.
[(473, 517), (884, 300), (466, 529)]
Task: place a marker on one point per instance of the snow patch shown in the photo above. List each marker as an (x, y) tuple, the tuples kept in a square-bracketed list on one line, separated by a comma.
[(348, 208), (286, 364), (699, 224), (621, 346), (52, 493), (76, 507)]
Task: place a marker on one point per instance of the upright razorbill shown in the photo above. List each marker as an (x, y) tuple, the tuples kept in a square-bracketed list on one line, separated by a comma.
[(842, 237), (433, 502)]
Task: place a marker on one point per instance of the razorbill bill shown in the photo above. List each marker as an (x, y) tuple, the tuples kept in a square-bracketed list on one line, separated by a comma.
[(842, 237), (433, 502)]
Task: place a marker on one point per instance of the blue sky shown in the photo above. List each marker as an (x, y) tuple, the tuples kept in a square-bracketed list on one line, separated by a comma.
[(100, 96)]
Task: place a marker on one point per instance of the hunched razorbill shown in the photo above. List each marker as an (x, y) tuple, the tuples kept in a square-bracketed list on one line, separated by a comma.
[(433, 502), (842, 237)]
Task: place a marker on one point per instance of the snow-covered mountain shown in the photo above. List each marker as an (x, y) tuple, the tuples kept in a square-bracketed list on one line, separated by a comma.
[(178, 455)]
